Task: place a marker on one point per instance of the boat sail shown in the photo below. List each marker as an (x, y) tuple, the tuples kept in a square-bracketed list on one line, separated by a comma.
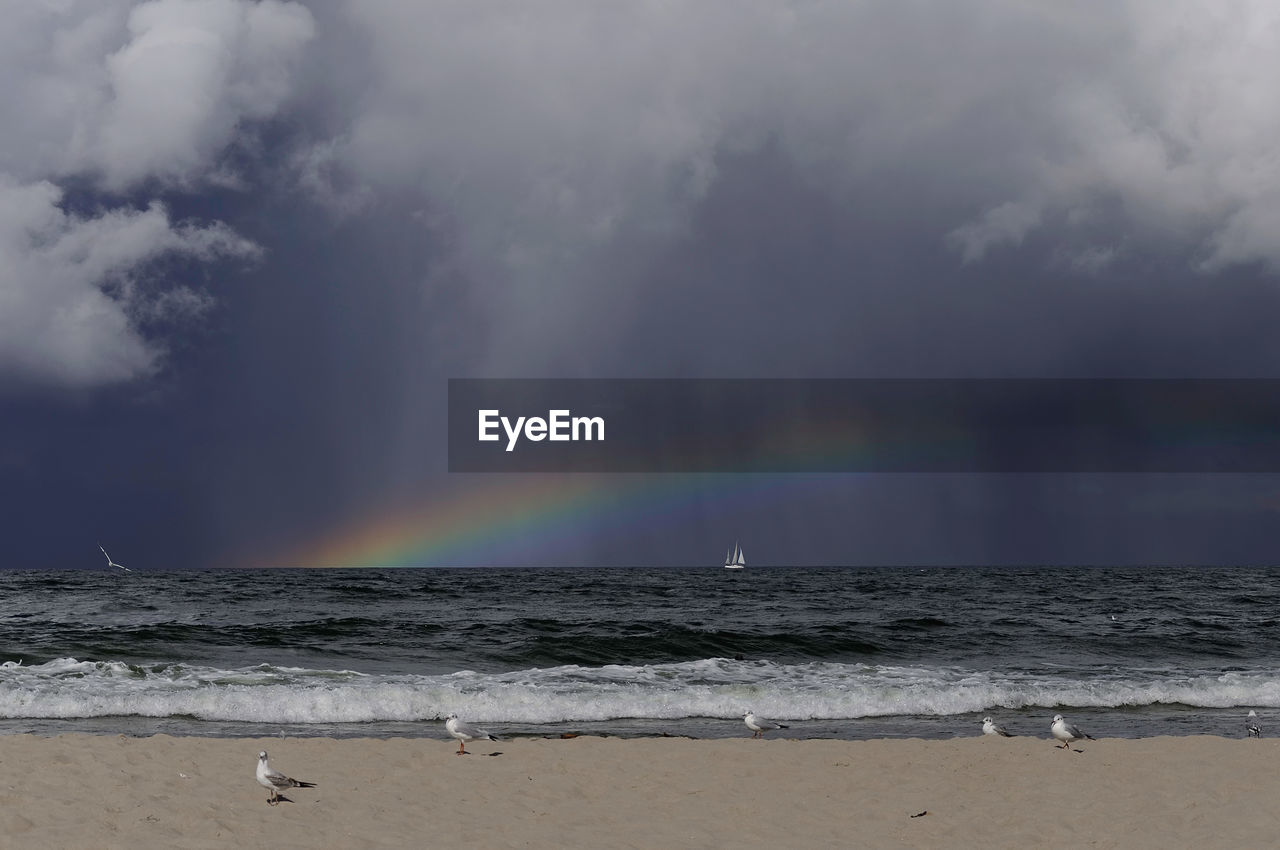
[(734, 561)]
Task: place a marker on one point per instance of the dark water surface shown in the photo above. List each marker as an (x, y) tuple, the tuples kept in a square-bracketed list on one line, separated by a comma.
[(836, 652)]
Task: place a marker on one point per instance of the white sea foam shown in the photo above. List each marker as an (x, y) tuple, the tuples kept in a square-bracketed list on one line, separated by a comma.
[(68, 688)]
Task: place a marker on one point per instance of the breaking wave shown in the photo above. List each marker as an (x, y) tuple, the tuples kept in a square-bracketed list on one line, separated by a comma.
[(716, 687)]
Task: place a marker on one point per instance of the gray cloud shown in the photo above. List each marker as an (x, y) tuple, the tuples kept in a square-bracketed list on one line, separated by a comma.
[(118, 96), (1175, 124), (190, 74), (127, 92), (1007, 223), (75, 291), (554, 144), (727, 187), (548, 145)]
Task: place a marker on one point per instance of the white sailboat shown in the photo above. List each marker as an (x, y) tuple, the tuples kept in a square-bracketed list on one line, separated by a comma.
[(734, 560)]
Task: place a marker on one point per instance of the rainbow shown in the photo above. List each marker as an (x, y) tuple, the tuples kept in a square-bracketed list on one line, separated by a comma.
[(512, 519), (488, 518)]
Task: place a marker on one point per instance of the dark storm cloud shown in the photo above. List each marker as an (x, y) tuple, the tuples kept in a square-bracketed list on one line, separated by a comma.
[(561, 148), (554, 151), (412, 191)]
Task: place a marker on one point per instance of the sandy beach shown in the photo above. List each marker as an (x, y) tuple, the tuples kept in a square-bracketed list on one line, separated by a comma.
[(85, 791)]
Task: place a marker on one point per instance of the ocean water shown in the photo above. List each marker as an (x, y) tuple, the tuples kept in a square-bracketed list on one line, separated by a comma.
[(833, 652)]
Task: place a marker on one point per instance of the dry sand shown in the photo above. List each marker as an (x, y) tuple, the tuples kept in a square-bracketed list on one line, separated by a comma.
[(84, 791)]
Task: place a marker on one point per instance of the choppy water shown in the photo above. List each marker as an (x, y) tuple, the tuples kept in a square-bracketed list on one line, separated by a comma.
[(836, 652)]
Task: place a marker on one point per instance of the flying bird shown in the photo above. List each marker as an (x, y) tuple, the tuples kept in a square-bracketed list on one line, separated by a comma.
[(1066, 732), (466, 732), (111, 563), (1252, 727), (759, 725), (989, 727), (275, 781)]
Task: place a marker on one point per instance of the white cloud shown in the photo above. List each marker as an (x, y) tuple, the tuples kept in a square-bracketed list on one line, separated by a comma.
[(135, 91), (122, 95), (73, 292), (190, 72)]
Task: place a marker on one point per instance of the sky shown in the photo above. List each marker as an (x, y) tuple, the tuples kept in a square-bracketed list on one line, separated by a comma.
[(244, 245)]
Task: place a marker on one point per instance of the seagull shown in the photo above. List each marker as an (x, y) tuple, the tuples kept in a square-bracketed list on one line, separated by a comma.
[(111, 563), (275, 781), (759, 725), (1066, 733), (1252, 727), (989, 727), (466, 732)]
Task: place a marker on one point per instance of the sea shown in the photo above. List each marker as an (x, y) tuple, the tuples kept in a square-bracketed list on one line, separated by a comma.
[(832, 652)]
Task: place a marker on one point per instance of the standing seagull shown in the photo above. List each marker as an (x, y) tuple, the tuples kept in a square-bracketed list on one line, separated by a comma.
[(1066, 733), (759, 725), (466, 732), (989, 727), (1252, 727), (111, 563), (275, 781)]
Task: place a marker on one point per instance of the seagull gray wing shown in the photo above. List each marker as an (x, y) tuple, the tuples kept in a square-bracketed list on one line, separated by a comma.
[(279, 780)]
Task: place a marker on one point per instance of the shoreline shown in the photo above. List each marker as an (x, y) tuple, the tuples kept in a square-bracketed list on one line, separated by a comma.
[(1130, 723), (590, 791)]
